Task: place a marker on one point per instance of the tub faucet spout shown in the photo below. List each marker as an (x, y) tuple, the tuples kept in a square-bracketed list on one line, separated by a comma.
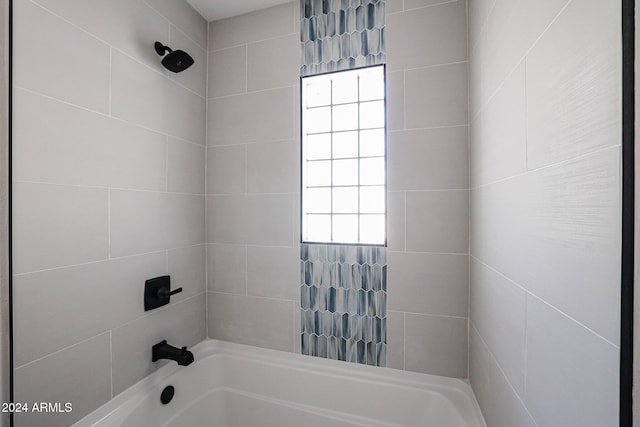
[(162, 350)]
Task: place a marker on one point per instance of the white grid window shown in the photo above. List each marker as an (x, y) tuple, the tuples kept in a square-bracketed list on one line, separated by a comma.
[(344, 157)]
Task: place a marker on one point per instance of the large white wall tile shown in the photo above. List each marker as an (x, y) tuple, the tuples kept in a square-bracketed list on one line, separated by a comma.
[(501, 405), (273, 63), (428, 283), (57, 308), (185, 167), (572, 59), (572, 374), (72, 66), (511, 30), (194, 77), (187, 267), (251, 27), (395, 340), (263, 322), (54, 226), (436, 96), (395, 100), (436, 345), (250, 219), (181, 324), (428, 159), (183, 16), (227, 268), (226, 170), (556, 232), (273, 167), (273, 272), (479, 11), (427, 36), (396, 228), (499, 134), (498, 311), (71, 145), (143, 96), (254, 117), (79, 375), (128, 25), (157, 220), (438, 221), (227, 71)]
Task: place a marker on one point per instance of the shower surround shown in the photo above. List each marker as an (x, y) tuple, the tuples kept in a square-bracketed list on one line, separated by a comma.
[(123, 171)]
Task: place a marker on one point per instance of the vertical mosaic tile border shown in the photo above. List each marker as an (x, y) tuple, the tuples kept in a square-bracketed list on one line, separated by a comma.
[(339, 35), (343, 300)]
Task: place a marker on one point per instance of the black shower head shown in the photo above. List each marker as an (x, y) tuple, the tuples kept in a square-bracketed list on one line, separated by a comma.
[(176, 60)]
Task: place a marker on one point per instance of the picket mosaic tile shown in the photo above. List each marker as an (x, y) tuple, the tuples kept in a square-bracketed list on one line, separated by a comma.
[(343, 300), (341, 35)]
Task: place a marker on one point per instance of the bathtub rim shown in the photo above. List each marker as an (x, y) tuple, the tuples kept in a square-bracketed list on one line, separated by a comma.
[(457, 391)]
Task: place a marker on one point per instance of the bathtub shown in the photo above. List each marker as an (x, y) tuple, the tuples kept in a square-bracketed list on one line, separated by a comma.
[(236, 385)]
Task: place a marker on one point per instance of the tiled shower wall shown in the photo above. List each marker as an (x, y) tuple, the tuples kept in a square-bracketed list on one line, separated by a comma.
[(253, 182), (253, 163), (545, 242), (428, 181), (108, 191)]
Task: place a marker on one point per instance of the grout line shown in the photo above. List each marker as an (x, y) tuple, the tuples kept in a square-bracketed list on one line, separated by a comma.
[(24, 365), (552, 165), (109, 224), (469, 178), (426, 67), (246, 270), (251, 92), (529, 293), (493, 94), (471, 47), (246, 68), (101, 187), (404, 193), (252, 296), (415, 313), (501, 371), (100, 113), (110, 78), (171, 23), (114, 47), (206, 190), (413, 9), (404, 341), (428, 128), (246, 43), (166, 164), (111, 360), (119, 258)]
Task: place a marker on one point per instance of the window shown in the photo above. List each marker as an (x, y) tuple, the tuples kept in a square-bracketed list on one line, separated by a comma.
[(344, 157)]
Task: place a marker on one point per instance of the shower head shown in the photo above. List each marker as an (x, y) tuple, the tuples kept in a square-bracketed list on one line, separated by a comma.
[(176, 60)]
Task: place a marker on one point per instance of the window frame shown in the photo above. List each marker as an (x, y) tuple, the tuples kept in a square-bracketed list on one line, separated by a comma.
[(302, 240)]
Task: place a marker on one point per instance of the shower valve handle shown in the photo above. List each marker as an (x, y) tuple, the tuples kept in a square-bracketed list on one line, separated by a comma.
[(164, 292)]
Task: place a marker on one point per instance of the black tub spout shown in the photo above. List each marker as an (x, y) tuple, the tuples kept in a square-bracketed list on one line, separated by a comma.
[(162, 350)]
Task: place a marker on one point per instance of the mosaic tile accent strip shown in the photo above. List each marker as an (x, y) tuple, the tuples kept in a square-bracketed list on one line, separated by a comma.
[(343, 300), (339, 35)]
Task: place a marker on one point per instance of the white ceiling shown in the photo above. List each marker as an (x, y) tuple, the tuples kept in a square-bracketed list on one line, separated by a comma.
[(213, 10)]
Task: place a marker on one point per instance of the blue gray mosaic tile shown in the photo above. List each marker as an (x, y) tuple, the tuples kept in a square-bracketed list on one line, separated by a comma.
[(339, 35), (343, 300)]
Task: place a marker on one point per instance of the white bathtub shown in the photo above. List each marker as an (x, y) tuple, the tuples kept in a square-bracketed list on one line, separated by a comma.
[(235, 385)]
